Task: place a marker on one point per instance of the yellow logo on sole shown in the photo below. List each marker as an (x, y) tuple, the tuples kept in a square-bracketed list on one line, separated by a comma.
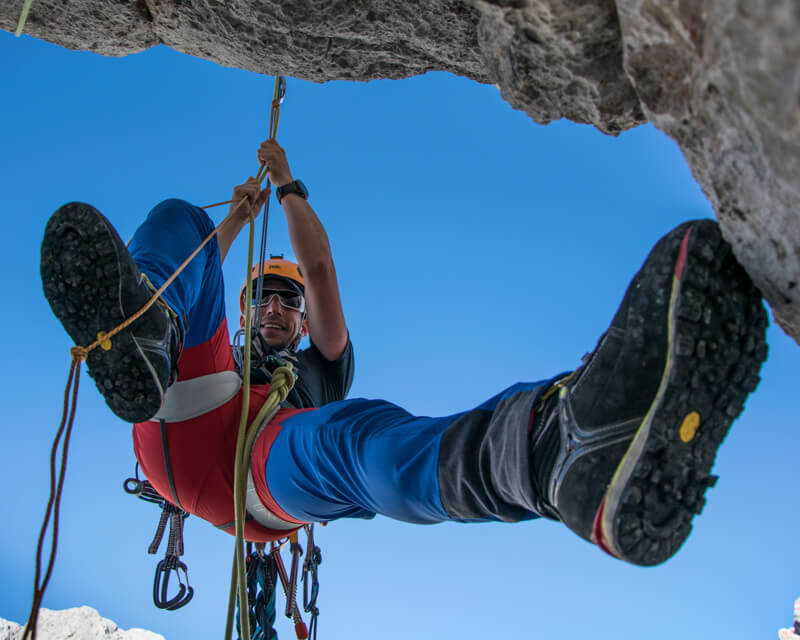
[(105, 343), (689, 426)]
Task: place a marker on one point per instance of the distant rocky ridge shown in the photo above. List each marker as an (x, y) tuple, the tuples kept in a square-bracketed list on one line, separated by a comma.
[(719, 76), (84, 623), (80, 623)]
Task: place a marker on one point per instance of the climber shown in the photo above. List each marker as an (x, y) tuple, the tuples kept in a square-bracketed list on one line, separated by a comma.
[(619, 450)]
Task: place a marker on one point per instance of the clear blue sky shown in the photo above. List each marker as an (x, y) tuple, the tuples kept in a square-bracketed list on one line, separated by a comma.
[(475, 248)]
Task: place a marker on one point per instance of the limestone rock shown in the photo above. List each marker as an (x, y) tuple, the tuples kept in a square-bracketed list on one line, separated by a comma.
[(559, 59), (720, 77), (80, 622)]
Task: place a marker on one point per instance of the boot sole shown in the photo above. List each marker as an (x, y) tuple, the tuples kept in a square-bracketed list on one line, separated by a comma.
[(716, 345), (93, 285)]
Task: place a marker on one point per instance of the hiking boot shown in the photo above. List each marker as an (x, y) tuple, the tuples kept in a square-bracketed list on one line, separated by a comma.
[(623, 448), (93, 285)]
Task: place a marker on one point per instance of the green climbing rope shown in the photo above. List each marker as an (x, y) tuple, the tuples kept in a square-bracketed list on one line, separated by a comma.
[(23, 17), (282, 382)]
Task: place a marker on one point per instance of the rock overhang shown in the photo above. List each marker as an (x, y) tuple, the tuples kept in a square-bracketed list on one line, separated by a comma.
[(719, 77)]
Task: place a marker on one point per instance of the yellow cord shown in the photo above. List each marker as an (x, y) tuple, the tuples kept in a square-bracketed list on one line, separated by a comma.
[(23, 17)]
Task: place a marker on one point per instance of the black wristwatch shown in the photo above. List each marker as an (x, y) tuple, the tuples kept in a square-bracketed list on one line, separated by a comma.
[(293, 187)]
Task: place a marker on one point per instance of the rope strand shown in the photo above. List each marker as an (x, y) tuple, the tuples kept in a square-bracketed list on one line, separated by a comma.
[(23, 17), (54, 501), (279, 389)]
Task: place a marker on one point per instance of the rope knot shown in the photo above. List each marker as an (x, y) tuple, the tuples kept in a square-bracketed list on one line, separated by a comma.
[(283, 379), (79, 354)]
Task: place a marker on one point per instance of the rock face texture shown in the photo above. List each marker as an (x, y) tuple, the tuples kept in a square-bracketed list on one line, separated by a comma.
[(722, 78), (718, 76), (81, 623)]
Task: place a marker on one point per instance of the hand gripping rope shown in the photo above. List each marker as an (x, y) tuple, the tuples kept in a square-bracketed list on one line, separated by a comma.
[(282, 382)]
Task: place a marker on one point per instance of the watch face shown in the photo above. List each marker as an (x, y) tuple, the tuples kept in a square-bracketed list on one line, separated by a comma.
[(303, 188)]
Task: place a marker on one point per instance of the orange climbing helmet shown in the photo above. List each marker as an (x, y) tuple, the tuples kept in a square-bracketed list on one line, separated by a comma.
[(276, 267)]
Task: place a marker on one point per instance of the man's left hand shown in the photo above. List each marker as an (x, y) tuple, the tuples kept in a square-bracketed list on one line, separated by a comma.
[(272, 154)]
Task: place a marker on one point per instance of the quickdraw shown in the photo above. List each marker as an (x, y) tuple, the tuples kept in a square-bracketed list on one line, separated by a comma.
[(311, 577), (171, 563), (261, 575)]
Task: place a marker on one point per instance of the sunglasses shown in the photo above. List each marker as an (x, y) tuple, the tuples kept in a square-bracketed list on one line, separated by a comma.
[(289, 299)]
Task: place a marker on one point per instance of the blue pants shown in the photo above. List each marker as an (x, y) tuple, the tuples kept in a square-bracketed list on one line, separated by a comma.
[(356, 458)]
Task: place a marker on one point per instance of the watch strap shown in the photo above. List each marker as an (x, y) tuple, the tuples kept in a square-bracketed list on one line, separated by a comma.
[(293, 187)]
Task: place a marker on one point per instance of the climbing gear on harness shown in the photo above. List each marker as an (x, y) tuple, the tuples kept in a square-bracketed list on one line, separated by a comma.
[(622, 453), (291, 596), (263, 572), (311, 580), (175, 515), (261, 577), (171, 562), (264, 359), (143, 490), (289, 584)]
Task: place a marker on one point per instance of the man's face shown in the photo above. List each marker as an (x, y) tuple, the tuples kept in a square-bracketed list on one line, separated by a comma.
[(278, 325)]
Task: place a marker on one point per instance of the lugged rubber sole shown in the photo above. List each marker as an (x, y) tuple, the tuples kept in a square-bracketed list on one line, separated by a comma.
[(716, 346), (93, 285)]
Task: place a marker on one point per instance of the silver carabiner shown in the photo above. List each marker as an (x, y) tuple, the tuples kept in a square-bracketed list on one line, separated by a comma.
[(281, 89)]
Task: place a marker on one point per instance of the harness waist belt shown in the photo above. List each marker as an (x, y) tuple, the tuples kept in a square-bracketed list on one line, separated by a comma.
[(192, 398)]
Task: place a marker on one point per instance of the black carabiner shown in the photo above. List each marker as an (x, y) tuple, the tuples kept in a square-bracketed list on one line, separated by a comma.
[(310, 575), (142, 489), (133, 486), (161, 585)]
